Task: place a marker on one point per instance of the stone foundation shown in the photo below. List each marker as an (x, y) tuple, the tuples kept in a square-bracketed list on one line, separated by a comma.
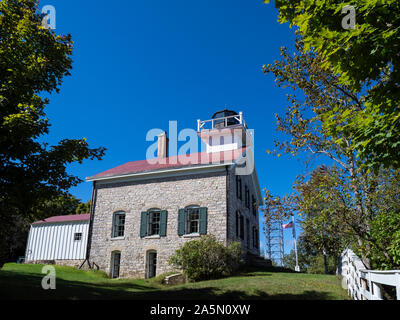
[(68, 263)]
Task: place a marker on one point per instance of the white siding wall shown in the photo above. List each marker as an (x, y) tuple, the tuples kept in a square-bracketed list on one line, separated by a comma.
[(55, 241), (228, 143)]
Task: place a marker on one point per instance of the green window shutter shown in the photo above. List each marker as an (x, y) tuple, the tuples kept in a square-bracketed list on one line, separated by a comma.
[(203, 220), (143, 224), (181, 222), (114, 228), (163, 223)]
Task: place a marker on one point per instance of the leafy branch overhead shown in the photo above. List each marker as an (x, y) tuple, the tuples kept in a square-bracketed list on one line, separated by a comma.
[(33, 61), (342, 202), (365, 59)]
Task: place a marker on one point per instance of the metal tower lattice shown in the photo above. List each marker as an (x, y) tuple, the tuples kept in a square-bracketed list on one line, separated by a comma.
[(274, 244)]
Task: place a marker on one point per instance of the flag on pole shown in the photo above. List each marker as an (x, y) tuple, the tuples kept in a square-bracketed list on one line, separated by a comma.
[(288, 225), (294, 231)]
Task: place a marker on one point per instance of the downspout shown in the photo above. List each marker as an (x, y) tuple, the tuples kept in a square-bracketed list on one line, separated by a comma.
[(89, 239)]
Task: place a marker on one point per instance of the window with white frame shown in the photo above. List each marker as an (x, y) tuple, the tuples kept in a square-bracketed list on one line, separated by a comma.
[(193, 219), (154, 222), (118, 224)]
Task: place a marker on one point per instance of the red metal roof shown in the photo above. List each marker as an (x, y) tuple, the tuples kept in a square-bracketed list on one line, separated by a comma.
[(71, 217), (174, 162)]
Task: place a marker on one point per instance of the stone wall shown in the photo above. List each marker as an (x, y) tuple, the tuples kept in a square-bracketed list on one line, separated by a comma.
[(235, 204), (69, 263), (133, 197)]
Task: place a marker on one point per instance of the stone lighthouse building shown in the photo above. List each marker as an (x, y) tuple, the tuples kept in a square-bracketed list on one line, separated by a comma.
[(144, 210)]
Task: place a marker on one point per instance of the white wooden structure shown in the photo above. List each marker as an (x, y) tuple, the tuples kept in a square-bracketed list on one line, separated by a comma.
[(58, 238), (225, 132), (363, 284)]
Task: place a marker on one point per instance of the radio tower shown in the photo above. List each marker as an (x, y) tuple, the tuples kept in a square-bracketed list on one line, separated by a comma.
[(274, 245)]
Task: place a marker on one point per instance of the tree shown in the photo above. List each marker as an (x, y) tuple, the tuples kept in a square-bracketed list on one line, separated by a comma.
[(33, 62), (303, 257), (321, 94), (385, 227), (83, 208), (321, 205), (366, 59), (65, 204)]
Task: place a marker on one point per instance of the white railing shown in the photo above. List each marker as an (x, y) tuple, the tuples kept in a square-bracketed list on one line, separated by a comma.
[(203, 125), (363, 284)]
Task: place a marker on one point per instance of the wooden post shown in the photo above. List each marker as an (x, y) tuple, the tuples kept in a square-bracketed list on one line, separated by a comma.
[(398, 287), (377, 291), (364, 286)]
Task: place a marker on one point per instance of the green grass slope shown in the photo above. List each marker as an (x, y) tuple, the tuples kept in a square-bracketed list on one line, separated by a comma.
[(22, 281)]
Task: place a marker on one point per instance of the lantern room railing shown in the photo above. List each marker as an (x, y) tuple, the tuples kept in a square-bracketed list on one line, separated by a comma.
[(210, 124)]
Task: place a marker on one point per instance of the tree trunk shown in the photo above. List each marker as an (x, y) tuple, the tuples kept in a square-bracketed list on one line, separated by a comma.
[(326, 262)]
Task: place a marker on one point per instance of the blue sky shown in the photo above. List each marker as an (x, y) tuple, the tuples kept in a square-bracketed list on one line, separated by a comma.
[(139, 64)]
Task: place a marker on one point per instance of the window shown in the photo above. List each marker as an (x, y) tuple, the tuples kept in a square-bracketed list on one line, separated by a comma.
[(238, 187), (248, 232), (255, 238), (153, 222), (192, 219), (239, 225), (254, 205), (115, 264), (118, 224), (78, 236), (247, 196)]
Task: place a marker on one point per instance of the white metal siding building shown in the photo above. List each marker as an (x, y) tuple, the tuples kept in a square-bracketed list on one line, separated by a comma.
[(58, 238)]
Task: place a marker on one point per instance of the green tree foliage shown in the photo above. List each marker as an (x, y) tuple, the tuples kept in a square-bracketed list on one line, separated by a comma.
[(343, 201), (33, 62), (83, 208), (310, 261), (207, 258), (366, 59), (385, 227), (324, 230), (62, 205), (317, 265), (303, 257)]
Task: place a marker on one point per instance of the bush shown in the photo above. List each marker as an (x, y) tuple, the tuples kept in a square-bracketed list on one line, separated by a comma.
[(207, 258)]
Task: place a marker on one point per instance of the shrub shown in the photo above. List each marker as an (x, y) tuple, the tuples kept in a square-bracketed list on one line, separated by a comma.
[(207, 258)]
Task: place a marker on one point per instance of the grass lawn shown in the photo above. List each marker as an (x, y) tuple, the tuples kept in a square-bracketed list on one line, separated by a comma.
[(22, 281)]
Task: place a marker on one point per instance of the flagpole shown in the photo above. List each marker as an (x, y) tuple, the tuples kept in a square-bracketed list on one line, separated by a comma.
[(296, 268)]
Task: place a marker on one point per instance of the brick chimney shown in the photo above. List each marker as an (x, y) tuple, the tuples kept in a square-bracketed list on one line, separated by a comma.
[(162, 148)]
